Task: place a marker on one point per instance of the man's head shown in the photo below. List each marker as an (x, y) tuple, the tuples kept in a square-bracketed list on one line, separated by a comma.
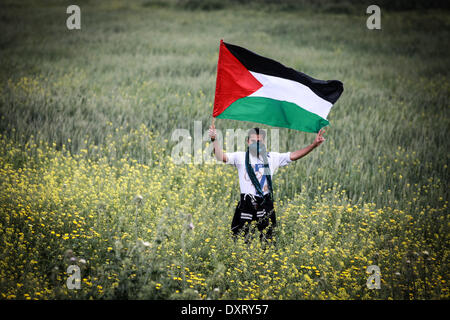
[(256, 134)]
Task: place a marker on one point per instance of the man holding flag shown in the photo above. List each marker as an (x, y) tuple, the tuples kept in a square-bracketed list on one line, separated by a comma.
[(255, 168), (250, 87)]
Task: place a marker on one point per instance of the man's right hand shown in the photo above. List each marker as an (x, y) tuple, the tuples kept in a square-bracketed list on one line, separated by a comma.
[(212, 132), (220, 155)]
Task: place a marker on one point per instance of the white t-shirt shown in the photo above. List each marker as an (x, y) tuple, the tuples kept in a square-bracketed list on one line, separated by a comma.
[(275, 159)]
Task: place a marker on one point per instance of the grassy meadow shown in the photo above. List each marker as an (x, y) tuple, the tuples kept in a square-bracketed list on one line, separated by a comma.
[(87, 178)]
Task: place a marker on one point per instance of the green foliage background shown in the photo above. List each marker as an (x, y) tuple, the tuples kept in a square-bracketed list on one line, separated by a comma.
[(107, 98)]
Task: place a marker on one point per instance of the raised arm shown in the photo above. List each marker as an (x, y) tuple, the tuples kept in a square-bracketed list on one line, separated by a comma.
[(218, 152), (295, 155)]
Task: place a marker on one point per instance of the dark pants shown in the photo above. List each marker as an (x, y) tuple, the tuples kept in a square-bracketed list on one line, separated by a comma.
[(254, 208)]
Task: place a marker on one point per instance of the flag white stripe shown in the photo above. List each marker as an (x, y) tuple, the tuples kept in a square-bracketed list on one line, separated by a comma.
[(291, 91)]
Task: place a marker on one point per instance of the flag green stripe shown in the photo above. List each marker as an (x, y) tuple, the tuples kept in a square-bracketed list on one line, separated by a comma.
[(274, 113)]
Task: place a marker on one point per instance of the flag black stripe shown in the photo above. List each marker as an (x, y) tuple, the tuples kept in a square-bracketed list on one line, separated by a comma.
[(329, 90)]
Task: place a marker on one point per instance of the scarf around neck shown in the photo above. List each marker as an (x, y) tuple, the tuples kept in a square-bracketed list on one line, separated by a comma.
[(252, 175)]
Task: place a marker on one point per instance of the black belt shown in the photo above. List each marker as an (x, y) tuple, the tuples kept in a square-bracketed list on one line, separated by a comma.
[(245, 196), (256, 201)]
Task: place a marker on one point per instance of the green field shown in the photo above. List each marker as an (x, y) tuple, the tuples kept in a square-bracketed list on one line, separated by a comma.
[(86, 178)]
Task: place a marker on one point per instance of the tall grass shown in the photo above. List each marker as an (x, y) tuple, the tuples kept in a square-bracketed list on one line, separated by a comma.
[(106, 98)]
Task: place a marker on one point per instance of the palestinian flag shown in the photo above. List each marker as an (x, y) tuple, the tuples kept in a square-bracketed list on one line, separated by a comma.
[(250, 87)]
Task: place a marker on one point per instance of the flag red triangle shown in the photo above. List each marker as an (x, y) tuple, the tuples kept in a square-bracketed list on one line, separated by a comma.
[(233, 81)]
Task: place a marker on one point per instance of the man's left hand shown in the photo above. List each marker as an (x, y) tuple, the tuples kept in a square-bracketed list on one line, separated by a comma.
[(319, 138)]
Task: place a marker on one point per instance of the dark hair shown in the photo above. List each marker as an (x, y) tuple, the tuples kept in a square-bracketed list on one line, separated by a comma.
[(256, 131)]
